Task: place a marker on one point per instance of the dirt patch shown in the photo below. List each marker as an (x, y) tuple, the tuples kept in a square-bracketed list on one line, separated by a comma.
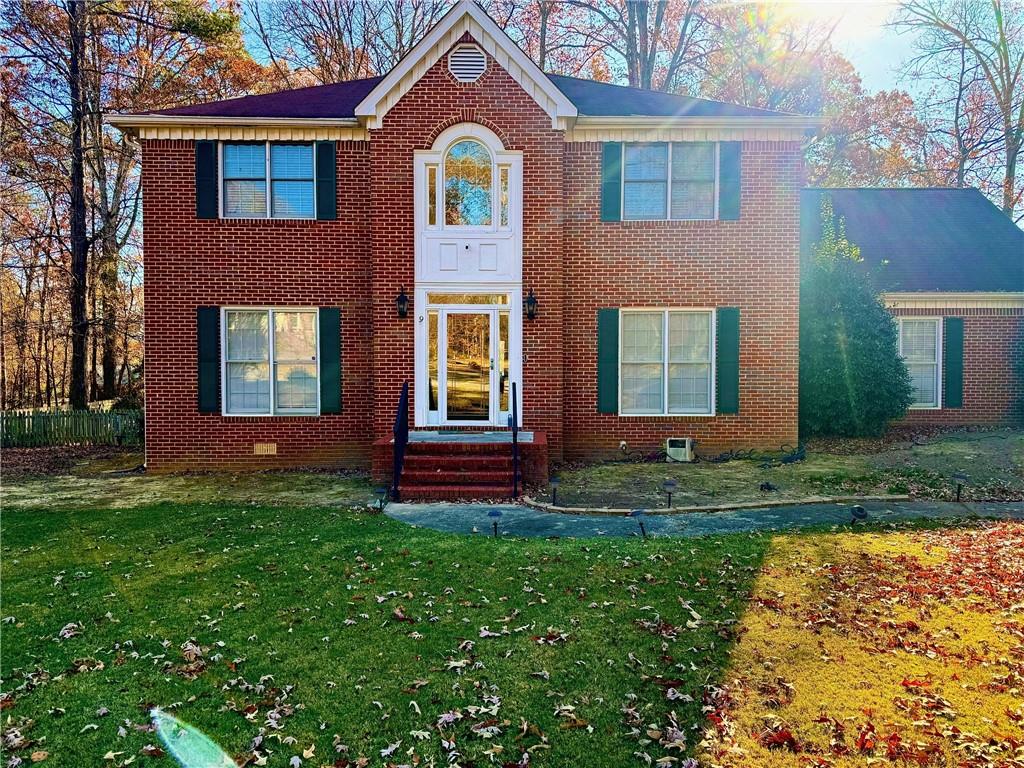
[(62, 460)]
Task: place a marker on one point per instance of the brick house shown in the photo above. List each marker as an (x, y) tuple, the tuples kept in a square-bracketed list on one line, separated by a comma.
[(625, 262), (950, 267)]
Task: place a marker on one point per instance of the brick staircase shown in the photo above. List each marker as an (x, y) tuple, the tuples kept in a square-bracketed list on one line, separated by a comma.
[(439, 471)]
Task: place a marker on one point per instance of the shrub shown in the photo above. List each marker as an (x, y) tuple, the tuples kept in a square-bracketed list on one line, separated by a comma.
[(852, 379)]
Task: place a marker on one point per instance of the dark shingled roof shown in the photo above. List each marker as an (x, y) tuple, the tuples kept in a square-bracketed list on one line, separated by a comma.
[(607, 100), (329, 101), (923, 239), (339, 100)]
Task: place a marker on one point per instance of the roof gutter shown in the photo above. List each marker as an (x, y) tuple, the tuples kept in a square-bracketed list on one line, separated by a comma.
[(651, 121), (134, 122)]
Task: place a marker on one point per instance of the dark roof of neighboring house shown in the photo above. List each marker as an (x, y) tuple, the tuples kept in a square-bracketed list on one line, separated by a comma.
[(339, 100), (923, 239)]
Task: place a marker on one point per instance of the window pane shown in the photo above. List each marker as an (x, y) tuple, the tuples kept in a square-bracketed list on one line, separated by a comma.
[(245, 198), (693, 161), (294, 336), (923, 380), (689, 337), (689, 388), (641, 388), (467, 185), (644, 200), (432, 195), (641, 337), (292, 199), (248, 388), (247, 336), (919, 340), (646, 162), (296, 386), (693, 199), (245, 161), (503, 174), (291, 161)]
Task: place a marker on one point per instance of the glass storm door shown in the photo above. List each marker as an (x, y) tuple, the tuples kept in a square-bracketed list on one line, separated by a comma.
[(468, 370), (468, 365)]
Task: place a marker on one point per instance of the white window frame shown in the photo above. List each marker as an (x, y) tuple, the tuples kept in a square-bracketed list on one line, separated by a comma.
[(274, 410), (668, 183), (502, 162), (938, 360), (267, 180), (712, 357)]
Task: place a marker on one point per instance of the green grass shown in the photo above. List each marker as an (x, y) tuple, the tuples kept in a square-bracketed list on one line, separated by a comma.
[(268, 590)]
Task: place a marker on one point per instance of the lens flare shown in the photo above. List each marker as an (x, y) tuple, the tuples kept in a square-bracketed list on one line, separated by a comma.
[(187, 744)]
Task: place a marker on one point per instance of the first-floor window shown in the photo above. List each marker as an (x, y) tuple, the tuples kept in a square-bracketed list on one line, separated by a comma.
[(666, 363), (270, 361), (920, 345)]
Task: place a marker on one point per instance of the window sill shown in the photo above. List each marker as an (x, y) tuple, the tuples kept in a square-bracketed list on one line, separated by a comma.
[(666, 415)]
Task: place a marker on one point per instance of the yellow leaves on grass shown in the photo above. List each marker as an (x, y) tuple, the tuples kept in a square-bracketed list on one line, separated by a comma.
[(900, 648)]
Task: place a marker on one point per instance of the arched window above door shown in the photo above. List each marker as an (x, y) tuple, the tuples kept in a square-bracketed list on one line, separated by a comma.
[(468, 185)]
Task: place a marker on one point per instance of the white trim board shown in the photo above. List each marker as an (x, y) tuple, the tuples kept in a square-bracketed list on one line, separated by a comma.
[(954, 300)]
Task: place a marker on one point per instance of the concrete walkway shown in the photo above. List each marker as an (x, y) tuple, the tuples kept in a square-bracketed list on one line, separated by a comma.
[(518, 520)]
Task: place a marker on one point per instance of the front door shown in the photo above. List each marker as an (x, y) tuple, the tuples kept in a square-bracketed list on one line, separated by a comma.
[(468, 363), (469, 367)]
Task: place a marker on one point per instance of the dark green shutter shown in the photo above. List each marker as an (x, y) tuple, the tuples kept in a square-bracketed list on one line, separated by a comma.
[(326, 181), (611, 181), (729, 156), (607, 361), (330, 360), (727, 363), (953, 362), (206, 179), (208, 343)]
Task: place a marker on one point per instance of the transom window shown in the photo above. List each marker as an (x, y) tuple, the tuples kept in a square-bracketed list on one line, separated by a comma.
[(666, 362), (270, 361), (920, 347), (246, 169), (677, 180)]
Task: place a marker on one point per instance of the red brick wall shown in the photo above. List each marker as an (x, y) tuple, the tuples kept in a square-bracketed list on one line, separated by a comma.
[(752, 264), (191, 263), (991, 339), (436, 102)]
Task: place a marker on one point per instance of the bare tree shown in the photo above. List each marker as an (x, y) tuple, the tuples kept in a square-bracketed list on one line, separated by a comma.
[(991, 38)]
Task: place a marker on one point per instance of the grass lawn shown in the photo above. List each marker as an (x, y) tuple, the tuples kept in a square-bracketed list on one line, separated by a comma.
[(333, 635), (993, 460), (338, 635)]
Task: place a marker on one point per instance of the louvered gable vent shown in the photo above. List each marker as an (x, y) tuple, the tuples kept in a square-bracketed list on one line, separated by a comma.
[(467, 63)]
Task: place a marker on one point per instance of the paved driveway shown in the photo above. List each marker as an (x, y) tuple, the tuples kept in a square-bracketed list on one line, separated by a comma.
[(518, 520)]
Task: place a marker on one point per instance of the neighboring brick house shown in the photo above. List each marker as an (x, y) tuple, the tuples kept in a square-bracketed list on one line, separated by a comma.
[(626, 261), (950, 266)]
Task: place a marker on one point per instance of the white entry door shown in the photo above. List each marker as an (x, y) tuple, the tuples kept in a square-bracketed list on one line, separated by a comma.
[(468, 364)]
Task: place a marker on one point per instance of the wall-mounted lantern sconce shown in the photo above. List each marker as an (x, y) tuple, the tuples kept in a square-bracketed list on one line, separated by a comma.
[(402, 302), (530, 304)]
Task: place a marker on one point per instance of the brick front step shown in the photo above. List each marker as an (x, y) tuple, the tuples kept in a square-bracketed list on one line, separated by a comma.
[(419, 462), (455, 492), (437, 448), (456, 475)]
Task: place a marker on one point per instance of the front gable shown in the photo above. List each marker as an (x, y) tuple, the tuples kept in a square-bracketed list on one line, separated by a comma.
[(466, 18)]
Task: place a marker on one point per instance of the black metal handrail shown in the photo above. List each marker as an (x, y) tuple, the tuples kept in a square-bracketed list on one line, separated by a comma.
[(515, 444), (401, 433)]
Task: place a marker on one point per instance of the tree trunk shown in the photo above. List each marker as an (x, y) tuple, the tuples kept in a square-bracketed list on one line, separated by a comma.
[(76, 10)]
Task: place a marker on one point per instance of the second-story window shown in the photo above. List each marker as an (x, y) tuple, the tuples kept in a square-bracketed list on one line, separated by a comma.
[(247, 168), (675, 180), (468, 185)]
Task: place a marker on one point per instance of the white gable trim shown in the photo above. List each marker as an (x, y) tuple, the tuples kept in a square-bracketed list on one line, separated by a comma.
[(465, 16)]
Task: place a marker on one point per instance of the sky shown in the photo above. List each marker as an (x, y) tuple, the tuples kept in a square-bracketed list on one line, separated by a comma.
[(862, 35)]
